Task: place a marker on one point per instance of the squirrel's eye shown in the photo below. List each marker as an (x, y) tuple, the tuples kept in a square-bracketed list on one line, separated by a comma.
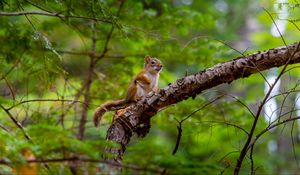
[(152, 62)]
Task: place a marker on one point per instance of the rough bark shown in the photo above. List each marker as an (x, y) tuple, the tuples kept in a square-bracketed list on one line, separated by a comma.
[(137, 116)]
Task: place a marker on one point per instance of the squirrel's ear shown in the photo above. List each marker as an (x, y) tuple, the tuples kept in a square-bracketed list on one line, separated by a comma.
[(147, 58)]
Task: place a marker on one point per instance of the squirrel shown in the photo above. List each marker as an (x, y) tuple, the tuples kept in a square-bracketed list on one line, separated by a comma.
[(143, 83)]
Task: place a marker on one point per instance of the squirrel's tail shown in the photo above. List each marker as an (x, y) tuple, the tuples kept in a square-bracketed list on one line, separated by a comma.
[(109, 106)]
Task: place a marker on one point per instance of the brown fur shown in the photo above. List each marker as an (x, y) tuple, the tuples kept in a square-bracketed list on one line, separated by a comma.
[(140, 86), (106, 107)]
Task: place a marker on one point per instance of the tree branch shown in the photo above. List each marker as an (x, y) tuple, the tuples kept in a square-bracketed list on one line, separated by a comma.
[(140, 113), (75, 159), (44, 100), (53, 14), (88, 84), (16, 122)]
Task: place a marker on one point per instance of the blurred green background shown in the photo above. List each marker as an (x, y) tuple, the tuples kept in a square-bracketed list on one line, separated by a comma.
[(46, 59)]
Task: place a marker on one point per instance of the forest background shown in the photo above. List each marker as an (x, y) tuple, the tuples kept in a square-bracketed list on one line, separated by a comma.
[(60, 59)]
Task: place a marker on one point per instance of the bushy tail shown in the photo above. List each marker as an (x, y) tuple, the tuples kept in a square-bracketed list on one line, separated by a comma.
[(109, 106)]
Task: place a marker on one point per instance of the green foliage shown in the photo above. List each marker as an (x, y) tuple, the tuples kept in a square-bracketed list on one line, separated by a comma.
[(45, 62)]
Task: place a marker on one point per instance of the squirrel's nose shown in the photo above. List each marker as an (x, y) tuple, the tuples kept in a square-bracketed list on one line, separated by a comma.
[(158, 68)]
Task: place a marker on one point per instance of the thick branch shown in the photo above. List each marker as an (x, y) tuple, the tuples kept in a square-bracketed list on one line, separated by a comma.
[(190, 86)]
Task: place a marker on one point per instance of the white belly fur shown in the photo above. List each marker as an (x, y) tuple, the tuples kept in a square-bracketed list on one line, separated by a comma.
[(154, 81), (142, 91)]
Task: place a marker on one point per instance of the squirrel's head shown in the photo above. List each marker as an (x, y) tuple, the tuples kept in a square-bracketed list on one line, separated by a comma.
[(153, 65)]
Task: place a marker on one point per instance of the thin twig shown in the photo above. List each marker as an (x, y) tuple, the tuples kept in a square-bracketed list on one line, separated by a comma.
[(293, 143), (42, 100), (109, 35), (293, 22), (204, 106), (11, 69), (229, 124), (179, 127), (16, 122), (75, 159), (4, 128), (23, 13), (10, 88), (242, 103), (271, 127), (251, 160)]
